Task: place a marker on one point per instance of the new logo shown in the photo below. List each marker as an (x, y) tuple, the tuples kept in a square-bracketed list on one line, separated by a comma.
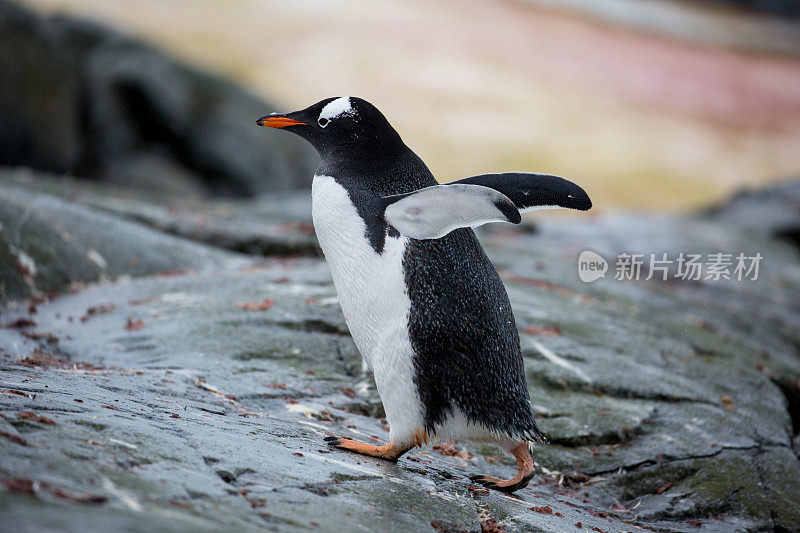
[(591, 266)]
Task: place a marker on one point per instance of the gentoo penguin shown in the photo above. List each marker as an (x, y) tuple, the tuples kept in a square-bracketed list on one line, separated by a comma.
[(426, 308)]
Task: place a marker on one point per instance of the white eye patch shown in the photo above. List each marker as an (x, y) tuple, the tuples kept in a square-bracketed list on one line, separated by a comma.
[(337, 108)]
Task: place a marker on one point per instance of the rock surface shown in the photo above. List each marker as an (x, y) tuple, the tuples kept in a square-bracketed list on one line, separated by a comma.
[(199, 399), (274, 224), (78, 98), (767, 213), (48, 245)]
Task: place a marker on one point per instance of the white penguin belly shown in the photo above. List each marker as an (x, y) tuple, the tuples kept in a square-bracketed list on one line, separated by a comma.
[(374, 299)]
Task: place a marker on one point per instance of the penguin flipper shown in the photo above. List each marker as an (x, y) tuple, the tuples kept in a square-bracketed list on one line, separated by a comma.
[(435, 211), (530, 191)]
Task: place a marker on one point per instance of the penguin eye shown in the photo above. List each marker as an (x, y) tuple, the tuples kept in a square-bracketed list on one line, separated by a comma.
[(323, 122)]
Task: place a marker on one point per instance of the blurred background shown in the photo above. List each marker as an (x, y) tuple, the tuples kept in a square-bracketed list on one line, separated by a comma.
[(172, 348), (649, 104)]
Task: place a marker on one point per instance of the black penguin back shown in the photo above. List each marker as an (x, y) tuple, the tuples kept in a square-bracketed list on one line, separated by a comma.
[(463, 332), (465, 338)]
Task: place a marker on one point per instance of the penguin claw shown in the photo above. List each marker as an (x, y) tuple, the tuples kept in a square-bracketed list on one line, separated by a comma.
[(485, 482), (334, 441), (508, 489)]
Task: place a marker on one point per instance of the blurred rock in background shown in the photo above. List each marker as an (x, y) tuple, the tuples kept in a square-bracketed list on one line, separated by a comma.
[(78, 98), (649, 104), (781, 8)]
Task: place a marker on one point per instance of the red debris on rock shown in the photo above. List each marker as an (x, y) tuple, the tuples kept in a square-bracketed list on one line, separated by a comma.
[(449, 450), (30, 415), (21, 323), (664, 487), (20, 485), (347, 391), (490, 525), (144, 300), (134, 325), (13, 392), (619, 508), (544, 331), (40, 359), (39, 335), (15, 438), (727, 402), (256, 306), (101, 308), (80, 498)]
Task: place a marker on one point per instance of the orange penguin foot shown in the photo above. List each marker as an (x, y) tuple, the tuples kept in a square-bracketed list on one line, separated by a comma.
[(525, 471), (390, 452)]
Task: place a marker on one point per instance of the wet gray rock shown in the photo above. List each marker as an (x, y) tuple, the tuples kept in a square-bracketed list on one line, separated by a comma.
[(270, 224), (48, 245), (79, 98), (670, 406), (769, 212)]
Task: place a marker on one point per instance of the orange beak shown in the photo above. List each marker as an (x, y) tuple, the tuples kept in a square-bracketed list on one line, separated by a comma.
[(271, 121)]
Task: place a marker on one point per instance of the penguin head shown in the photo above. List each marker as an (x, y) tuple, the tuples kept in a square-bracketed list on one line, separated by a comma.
[(343, 125)]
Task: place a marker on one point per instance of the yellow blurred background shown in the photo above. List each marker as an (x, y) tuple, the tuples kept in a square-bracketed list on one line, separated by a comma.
[(640, 120)]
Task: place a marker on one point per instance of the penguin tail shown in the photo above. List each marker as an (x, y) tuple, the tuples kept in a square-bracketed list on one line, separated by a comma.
[(533, 434), (537, 437)]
